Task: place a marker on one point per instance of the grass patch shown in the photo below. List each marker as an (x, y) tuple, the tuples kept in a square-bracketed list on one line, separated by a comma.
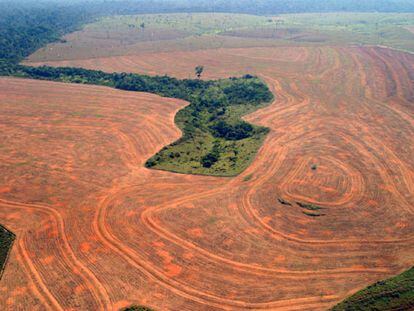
[(212, 220), (248, 177), (308, 206), (6, 242), (396, 293), (22, 163), (310, 209)]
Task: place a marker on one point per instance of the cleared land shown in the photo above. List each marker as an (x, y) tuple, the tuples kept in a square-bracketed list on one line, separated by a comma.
[(123, 234), (122, 36), (384, 29)]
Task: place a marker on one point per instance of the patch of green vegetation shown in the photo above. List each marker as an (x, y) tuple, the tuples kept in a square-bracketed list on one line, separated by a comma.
[(310, 209), (308, 206), (248, 177), (212, 220), (313, 214), (137, 308), (6, 242), (24, 163), (57, 122), (396, 293), (215, 141)]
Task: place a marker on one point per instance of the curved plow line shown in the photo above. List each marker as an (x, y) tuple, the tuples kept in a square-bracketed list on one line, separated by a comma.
[(102, 296), (178, 288)]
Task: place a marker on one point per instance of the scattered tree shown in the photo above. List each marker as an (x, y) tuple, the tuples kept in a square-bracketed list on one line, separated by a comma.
[(198, 71)]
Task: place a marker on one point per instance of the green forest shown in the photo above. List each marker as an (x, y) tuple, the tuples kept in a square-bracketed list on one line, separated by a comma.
[(24, 29)]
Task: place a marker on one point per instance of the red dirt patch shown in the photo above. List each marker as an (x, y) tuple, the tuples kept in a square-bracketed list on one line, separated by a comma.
[(347, 109)]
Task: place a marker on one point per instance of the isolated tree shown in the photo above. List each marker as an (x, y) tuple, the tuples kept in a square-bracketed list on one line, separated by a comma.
[(198, 71)]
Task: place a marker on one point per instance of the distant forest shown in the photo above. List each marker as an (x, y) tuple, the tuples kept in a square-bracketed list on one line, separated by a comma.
[(27, 25)]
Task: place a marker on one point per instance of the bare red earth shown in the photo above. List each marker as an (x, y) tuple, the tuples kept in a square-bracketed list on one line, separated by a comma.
[(96, 230)]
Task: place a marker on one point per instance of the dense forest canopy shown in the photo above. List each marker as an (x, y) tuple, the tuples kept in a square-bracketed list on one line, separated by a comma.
[(24, 30)]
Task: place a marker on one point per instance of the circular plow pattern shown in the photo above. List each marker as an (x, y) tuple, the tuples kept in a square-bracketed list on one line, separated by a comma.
[(326, 208)]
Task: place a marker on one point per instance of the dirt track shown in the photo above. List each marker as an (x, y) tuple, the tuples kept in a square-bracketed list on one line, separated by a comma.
[(96, 230)]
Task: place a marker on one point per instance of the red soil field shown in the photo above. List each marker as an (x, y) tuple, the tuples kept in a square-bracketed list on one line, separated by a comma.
[(97, 230)]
